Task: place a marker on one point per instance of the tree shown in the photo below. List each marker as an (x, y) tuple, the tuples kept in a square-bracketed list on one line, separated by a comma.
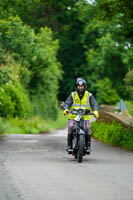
[(106, 94), (94, 39), (37, 53), (108, 50), (62, 18)]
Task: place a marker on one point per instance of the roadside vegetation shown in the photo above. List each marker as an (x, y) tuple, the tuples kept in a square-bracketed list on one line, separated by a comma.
[(33, 125), (129, 105), (114, 134), (29, 76), (46, 45)]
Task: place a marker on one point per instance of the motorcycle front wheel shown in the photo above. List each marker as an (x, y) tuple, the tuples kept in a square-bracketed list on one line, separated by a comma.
[(80, 148)]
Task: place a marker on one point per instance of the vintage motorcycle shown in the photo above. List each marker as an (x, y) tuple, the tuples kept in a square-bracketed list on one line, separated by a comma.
[(79, 132)]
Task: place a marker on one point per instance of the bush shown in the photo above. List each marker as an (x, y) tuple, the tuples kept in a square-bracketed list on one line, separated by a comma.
[(129, 105), (105, 93), (114, 134), (7, 107), (14, 101), (5, 75), (40, 71), (128, 80)]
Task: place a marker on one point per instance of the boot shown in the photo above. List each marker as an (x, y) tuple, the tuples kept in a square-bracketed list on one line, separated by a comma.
[(88, 143), (69, 143)]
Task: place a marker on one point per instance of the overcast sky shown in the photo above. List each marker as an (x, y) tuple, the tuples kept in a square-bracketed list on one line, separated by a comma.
[(90, 1)]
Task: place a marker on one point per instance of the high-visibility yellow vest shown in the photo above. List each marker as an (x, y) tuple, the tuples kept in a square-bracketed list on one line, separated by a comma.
[(83, 103)]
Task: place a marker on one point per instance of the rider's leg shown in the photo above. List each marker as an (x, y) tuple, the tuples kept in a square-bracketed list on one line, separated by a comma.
[(69, 137), (88, 136), (69, 142), (88, 141)]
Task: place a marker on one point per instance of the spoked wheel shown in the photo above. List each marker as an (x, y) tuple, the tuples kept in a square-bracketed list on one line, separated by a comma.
[(80, 148)]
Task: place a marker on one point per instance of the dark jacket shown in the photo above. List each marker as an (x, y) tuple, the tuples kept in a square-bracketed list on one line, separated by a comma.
[(92, 100)]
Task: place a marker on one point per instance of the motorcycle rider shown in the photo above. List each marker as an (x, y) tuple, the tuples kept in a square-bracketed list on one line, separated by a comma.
[(80, 98)]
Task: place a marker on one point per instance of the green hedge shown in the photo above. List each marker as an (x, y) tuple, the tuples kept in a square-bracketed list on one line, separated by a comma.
[(114, 134)]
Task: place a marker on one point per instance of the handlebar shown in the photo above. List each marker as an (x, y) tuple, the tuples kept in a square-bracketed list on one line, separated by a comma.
[(80, 112)]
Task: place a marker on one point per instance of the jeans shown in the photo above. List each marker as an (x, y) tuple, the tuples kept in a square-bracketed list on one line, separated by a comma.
[(71, 126)]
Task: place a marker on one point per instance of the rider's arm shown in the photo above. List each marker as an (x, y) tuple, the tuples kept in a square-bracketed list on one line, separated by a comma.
[(68, 102), (93, 103)]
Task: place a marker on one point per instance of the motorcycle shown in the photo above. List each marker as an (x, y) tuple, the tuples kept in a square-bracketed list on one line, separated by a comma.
[(79, 132)]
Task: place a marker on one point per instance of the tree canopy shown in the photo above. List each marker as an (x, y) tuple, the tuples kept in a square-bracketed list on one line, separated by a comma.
[(50, 43)]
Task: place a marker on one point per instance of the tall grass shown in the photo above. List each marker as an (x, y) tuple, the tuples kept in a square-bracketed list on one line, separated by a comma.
[(129, 105), (34, 125)]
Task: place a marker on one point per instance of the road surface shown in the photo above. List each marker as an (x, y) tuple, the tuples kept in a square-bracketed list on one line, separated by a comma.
[(37, 167)]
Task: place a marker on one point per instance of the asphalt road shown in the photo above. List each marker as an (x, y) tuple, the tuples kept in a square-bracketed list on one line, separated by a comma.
[(37, 167)]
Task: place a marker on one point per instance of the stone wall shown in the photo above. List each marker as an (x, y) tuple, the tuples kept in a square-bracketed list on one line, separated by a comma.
[(109, 117)]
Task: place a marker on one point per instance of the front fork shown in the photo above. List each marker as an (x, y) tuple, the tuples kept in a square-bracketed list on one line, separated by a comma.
[(78, 133)]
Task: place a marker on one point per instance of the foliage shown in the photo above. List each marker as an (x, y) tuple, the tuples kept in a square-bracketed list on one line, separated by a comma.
[(12, 102), (47, 106), (106, 50), (5, 75), (7, 107), (129, 83), (113, 134), (40, 71), (22, 106), (11, 70), (62, 18), (33, 125), (92, 40), (105, 93), (129, 105), (95, 39)]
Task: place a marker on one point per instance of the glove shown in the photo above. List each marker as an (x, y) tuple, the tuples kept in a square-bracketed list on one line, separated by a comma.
[(96, 113), (65, 111)]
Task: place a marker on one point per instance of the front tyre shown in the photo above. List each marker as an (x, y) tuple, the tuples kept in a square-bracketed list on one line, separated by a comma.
[(80, 148), (76, 156)]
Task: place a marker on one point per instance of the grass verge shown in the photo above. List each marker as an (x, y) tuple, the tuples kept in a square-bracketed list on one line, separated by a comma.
[(114, 134), (129, 105), (34, 125)]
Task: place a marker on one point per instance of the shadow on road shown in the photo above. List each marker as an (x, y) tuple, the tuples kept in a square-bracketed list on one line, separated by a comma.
[(91, 160)]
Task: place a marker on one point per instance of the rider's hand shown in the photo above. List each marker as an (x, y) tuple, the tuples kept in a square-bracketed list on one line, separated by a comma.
[(96, 113), (65, 111)]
